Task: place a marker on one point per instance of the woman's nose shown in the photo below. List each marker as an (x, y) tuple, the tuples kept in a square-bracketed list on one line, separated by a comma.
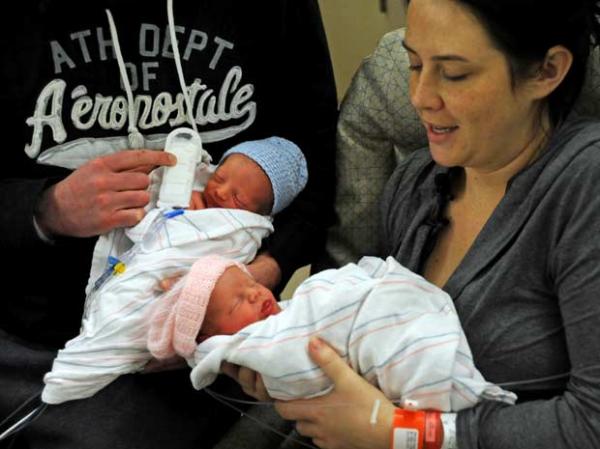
[(424, 92)]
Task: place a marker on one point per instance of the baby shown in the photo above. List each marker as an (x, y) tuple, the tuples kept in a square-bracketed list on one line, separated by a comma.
[(217, 297), (261, 176), (396, 329), (254, 178)]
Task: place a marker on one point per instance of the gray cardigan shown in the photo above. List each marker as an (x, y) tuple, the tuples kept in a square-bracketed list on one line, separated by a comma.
[(527, 292)]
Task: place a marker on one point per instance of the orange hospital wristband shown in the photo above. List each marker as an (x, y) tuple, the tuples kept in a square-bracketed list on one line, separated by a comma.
[(416, 430)]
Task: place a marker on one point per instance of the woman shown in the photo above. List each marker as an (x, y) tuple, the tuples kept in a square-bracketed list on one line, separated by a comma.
[(503, 212)]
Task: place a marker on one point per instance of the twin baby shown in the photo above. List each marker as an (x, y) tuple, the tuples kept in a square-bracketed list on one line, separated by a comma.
[(394, 328)]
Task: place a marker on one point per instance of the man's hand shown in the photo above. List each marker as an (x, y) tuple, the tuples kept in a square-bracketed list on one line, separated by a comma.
[(106, 193), (265, 270)]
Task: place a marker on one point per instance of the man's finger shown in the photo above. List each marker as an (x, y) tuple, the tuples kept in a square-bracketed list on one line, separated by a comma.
[(142, 169), (131, 199), (126, 218), (129, 180), (133, 159)]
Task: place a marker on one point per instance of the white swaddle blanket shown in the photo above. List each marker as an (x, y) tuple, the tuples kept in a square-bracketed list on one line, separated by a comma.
[(115, 323), (397, 330)]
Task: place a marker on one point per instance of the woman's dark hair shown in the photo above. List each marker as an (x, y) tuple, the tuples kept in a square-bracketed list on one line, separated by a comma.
[(524, 30)]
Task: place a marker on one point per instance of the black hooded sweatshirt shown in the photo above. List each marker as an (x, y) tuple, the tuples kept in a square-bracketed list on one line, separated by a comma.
[(254, 70)]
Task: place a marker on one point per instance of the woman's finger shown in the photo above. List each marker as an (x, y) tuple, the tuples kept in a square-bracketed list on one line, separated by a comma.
[(329, 361), (252, 384), (297, 410), (307, 429), (230, 370), (320, 443)]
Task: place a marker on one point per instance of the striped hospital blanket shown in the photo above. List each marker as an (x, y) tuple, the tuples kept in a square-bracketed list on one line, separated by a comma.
[(397, 330)]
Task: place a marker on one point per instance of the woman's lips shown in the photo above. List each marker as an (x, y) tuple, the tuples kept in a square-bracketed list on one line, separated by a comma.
[(440, 134)]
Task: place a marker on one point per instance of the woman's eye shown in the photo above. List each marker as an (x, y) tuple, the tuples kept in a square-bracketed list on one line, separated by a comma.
[(414, 67), (459, 77)]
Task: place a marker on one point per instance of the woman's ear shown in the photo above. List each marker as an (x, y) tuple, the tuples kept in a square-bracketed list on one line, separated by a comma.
[(551, 72)]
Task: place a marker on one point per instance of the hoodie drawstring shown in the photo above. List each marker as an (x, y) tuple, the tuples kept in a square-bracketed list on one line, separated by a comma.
[(174, 44), (135, 137)]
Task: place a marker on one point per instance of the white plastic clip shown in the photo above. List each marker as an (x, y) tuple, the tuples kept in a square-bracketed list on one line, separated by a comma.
[(178, 180)]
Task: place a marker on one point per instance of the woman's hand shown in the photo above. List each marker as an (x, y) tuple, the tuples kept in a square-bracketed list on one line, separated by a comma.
[(250, 381), (342, 418), (265, 270)]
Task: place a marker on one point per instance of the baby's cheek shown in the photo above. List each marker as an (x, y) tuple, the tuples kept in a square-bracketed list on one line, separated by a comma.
[(246, 320)]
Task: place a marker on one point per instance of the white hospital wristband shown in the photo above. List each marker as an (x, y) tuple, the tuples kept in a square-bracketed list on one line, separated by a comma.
[(449, 426)]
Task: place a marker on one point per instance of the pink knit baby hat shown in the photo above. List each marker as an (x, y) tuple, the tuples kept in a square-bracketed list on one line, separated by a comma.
[(178, 315)]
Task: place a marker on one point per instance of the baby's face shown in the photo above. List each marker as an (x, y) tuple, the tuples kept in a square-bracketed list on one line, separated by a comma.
[(236, 301), (239, 183)]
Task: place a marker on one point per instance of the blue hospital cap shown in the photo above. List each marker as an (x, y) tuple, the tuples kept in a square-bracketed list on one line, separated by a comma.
[(284, 164)]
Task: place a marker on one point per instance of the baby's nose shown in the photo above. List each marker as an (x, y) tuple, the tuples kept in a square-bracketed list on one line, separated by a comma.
[(253, 295), (222, 192)]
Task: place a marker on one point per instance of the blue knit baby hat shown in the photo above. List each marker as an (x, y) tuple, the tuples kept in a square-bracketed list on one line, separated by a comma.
[(284, 164)]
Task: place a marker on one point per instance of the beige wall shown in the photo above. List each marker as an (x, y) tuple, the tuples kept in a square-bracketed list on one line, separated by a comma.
[(353, 29)]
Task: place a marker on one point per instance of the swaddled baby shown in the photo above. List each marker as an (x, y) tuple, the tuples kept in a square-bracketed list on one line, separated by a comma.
[(396, 329)]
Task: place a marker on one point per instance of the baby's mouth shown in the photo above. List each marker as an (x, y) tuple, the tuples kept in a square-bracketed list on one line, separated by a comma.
[(269, 307)]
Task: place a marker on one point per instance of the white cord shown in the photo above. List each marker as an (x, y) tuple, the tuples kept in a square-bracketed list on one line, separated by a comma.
[(8, 431), (175, 46), (136, 140)]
